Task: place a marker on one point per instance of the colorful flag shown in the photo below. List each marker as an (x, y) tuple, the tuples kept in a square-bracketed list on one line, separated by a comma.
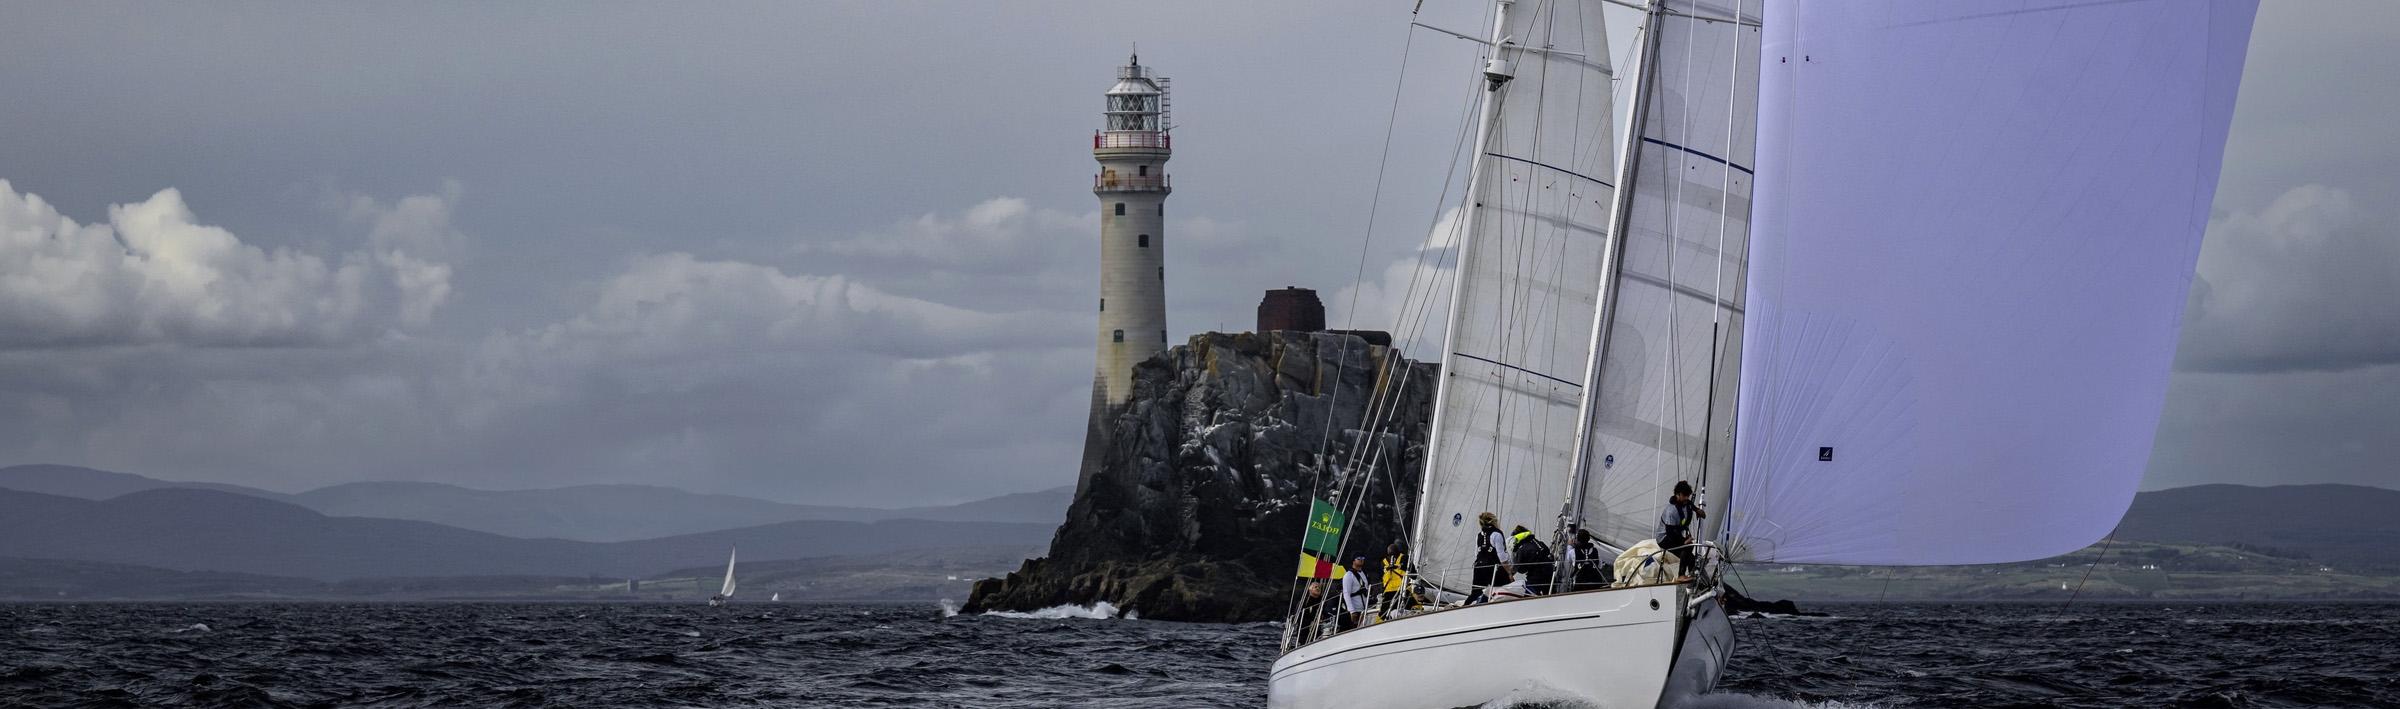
[(1323, 541), (1312, 567)]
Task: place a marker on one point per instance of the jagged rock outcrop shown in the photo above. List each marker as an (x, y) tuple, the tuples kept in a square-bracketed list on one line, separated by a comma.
[(1202, 491)]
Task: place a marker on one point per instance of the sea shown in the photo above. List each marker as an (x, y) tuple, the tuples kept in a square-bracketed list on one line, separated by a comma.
[(806, 655)]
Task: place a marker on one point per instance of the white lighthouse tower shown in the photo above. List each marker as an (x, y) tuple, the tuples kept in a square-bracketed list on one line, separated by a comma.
[(1132, 148)]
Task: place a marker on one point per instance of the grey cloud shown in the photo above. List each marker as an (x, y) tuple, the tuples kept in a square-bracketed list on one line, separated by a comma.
[(2278, 427), (2303, 283), (155, 274), (710, 374)]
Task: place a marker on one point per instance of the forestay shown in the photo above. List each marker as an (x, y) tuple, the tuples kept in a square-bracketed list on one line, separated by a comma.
[(1977, 226), (1662, 411), (1528, 275)]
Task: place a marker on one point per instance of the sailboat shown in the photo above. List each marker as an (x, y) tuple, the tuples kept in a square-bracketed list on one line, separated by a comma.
[(1888, 282), (776, 597), (725, 593)]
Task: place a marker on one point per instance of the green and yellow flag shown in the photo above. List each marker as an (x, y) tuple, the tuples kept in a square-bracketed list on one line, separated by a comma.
[(1323, 541)]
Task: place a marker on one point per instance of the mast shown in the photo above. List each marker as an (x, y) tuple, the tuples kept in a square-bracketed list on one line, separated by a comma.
[(1497, 72), (1645, 57)]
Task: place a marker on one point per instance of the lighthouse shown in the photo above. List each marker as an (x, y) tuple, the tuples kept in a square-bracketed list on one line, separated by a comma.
[(1132, 147)]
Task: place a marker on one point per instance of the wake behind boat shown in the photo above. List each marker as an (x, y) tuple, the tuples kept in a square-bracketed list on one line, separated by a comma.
[(1942, 339)]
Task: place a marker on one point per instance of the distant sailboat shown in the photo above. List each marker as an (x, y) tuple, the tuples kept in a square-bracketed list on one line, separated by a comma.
[(777, 598), (726, 593)]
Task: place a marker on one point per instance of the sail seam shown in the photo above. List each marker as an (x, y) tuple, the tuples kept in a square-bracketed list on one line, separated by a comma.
[(1538, 163), (1517, 368), (1713, 158)]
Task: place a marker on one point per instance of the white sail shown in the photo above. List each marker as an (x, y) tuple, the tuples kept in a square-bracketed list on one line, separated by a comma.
[(1663, 402), (1977, 223), (1528, 273), (727, 591)]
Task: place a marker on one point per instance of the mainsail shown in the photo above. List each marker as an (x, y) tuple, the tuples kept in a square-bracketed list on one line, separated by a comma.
[(1977, 226), (1528, 274), (1665, 375)]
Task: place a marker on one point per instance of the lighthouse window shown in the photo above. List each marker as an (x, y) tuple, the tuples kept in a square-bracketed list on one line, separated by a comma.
[(1162, 209), (1103, 305), (1162, 336), (1145, 171), (1120, 336), (1120, 209), (1145, 241), (1162, 273)]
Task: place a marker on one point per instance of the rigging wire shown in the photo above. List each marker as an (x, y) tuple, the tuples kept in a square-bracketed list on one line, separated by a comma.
[(1374, 201), (2087, 571), (1420, 300)]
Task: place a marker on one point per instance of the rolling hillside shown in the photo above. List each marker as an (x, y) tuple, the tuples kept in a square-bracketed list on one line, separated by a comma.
[(207, 530)]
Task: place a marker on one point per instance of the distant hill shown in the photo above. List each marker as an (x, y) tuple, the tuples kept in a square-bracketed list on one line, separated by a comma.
[(598, 513), (922, 576), (90, 484), (592, 513), (2286, 542), (1045, 506), (207, 530), (2346, 526)]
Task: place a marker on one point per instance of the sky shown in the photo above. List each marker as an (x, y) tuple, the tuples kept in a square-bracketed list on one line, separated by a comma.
[(845, 252)]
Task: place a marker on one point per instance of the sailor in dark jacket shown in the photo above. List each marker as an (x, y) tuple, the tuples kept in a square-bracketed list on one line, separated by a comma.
[(1531, 559), (1586, 568), (1491, 556)]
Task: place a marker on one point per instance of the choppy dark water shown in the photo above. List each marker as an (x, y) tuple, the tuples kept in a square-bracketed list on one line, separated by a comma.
[(539, 655)]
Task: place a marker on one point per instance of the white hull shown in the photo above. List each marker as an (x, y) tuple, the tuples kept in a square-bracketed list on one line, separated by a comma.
[(1617, 647)]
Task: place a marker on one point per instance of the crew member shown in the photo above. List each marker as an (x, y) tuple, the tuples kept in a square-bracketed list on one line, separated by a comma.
[(1531, 558), (1675, 522), (1586, 568), (1395, 576), (1355, 590), (1491, 556)]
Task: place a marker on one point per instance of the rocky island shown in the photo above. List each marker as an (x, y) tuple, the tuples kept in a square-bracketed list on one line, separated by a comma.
[(1194, 508)]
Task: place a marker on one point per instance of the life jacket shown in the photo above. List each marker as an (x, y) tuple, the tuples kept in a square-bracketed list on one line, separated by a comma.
[(1587, 556), (1485, 555), (1531, 551), (1680, 531), (1394, 572)]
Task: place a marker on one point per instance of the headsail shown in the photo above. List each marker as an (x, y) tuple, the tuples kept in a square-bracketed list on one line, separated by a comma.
[(1528, 272), (728, 589), (1977, 226), (1662, 406)]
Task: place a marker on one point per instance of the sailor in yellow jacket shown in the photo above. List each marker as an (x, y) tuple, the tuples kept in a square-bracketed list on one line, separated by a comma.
[(1395, 577)]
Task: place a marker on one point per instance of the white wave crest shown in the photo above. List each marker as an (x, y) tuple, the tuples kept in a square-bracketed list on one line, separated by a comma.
[(949, 608), (1733, 700), (1098, 610), (1540, 696), (194, 628)]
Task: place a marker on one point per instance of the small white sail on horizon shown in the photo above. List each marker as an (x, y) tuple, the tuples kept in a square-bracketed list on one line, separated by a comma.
[(725, 592)]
